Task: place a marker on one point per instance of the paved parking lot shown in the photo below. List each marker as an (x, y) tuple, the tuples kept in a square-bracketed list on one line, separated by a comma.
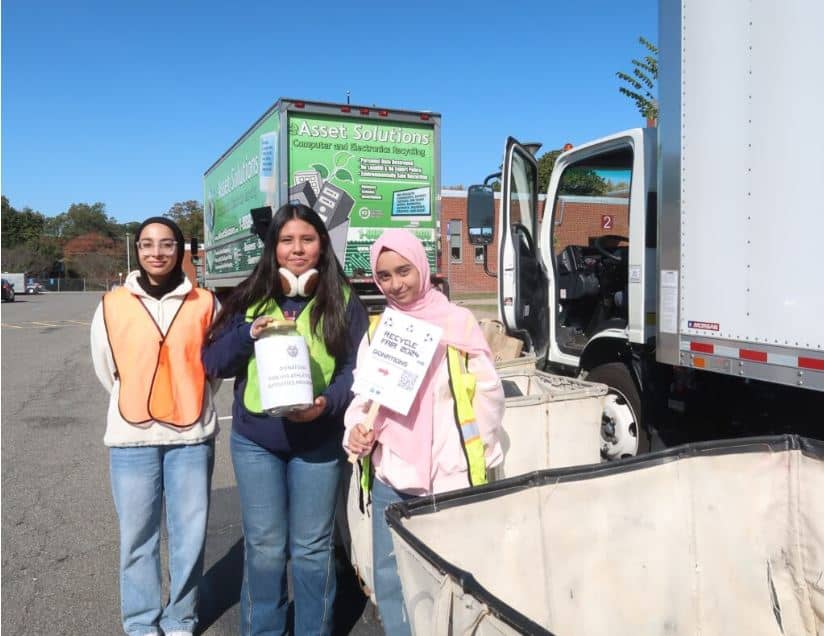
[(59, 527)]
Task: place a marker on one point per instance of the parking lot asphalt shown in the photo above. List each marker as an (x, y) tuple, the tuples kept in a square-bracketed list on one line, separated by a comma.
[(59, 539)]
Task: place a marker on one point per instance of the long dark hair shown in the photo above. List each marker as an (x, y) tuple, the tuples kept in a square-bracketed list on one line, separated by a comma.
[(264, 283)]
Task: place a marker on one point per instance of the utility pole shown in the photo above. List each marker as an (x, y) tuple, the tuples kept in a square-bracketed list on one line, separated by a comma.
[(128, 255)]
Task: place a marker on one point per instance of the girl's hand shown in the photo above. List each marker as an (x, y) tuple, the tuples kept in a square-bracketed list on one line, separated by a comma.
[(260, 324), (310, 413), (361, 441)]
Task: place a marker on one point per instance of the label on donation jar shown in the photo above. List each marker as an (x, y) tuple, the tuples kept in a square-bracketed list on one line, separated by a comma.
[(284, 375)]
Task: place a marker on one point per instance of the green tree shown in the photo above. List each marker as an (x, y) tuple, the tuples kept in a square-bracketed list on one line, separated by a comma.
[(546, 163), (578, 180), (20, 227), (189, 217), (641, 83), (82, 218)]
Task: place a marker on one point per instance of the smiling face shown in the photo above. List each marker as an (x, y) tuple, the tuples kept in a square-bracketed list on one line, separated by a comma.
[(157, 251), (398, 279), (298, 247)]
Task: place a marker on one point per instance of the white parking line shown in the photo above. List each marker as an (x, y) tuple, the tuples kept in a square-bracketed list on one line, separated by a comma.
[(225, 417)]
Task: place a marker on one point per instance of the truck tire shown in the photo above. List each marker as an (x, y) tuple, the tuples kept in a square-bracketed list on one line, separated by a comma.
[(622, 431)]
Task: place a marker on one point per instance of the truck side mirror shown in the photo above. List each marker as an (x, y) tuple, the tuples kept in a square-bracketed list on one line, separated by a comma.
[(480, 214)]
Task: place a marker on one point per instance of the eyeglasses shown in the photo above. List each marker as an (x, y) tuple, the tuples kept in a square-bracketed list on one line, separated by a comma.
[(163, 247)]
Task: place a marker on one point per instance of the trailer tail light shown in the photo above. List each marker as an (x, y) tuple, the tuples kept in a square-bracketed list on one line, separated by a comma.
[(300, 104), (383, 113), (364, 111), (345, 109), (698, 361), (424, 116)]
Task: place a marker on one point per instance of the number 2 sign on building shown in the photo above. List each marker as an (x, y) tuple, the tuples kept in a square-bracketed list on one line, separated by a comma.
[(607, 221)]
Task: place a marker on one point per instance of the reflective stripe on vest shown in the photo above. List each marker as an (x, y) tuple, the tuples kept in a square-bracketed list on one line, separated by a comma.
[(321, 362), (462, 384), (162, 378)]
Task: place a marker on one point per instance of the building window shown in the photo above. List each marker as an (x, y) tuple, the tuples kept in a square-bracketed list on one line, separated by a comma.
[(479, 255), (454, 229)]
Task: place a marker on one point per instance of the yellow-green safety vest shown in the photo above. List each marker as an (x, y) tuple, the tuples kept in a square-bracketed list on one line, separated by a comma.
[(462, 385), (321, 362)]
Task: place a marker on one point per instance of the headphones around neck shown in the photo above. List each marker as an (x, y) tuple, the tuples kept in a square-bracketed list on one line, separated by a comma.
[(303, 285)]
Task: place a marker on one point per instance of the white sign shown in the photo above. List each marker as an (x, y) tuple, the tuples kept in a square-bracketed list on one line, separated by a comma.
[(401, 352), (668, 311)]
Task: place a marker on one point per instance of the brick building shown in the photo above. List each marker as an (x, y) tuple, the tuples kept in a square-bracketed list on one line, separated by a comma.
[(578, 219)]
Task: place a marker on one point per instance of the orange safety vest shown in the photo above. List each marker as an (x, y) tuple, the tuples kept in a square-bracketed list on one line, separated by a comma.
[(162, 378)]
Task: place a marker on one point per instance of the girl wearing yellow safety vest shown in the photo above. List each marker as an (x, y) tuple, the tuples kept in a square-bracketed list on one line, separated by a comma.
[(146, 338), (288, 468), (450, 436)]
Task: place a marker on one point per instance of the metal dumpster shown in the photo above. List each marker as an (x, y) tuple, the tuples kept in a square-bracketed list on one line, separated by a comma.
[(716, 538)]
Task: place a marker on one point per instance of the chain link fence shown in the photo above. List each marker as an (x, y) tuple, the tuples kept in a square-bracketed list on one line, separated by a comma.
[(72, 284)]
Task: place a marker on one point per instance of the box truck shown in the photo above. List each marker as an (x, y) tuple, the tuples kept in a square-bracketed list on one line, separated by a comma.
[(679, 264), (363, 169)]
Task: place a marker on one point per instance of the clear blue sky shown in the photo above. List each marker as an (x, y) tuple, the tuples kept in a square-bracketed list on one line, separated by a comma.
[(129, 103)]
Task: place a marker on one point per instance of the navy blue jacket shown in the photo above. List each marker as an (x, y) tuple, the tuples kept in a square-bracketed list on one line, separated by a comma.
[(228, 356)]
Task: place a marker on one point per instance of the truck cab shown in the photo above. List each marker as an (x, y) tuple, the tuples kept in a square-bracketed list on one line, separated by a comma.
[(576, 271)]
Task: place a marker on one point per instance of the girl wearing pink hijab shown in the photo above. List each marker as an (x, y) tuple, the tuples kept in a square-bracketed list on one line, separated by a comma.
[(426, 451)]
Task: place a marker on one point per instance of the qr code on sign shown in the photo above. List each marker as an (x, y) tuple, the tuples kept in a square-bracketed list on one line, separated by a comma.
[(407, 381)]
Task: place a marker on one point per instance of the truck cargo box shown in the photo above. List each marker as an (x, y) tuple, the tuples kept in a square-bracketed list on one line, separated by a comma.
[(719, 538)]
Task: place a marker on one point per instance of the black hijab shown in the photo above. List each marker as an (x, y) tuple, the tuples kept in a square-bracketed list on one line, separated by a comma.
[(176, 276)]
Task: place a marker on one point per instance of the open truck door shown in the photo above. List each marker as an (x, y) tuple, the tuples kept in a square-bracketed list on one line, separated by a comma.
[(522, 279)]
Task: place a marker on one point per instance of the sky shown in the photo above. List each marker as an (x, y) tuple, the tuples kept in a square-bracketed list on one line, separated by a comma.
[(129, 103)]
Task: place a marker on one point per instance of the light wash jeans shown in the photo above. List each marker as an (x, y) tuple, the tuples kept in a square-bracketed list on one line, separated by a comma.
[(288, 509), (387, 580), (141, 477)]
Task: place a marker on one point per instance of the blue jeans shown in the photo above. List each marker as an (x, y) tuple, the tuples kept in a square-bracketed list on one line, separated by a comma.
[(387, 580), (141, 477), (288, 509)]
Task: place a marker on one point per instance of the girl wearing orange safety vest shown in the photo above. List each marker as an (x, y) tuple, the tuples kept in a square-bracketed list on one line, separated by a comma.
[(451, 434), (146, 339)]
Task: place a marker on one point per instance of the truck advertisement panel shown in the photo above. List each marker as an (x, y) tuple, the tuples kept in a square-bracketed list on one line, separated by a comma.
[(363, 176), (246, 178)]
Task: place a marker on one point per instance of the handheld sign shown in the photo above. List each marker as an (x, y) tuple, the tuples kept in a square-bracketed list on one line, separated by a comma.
[(399, 355)]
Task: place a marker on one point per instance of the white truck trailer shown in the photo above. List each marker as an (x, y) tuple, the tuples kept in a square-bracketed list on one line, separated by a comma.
[(679, 265)]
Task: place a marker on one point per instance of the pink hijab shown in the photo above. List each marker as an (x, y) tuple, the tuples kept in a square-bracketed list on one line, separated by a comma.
[(410, 436)]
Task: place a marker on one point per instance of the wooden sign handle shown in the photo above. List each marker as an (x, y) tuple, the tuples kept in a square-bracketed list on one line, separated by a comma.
[(367, 424)]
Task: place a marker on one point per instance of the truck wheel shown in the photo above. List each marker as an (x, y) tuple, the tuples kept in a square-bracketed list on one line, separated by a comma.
[(622, 433)]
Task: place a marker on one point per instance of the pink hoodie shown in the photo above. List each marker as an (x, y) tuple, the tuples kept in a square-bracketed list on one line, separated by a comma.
[(422, 452)]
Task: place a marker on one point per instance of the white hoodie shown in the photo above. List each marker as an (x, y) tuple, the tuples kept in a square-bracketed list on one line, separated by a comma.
[(119, 432)]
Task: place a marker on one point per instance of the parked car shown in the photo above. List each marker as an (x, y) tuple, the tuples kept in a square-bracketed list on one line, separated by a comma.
[(33, 287), (8, 291)]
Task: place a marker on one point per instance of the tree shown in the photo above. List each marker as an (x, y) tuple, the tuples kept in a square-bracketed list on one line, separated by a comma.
[(189, 217), (82, 218), (20, 227), (641, 83), (581, 180), (545, 165)]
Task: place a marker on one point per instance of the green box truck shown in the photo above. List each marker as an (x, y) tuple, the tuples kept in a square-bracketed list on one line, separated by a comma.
[(363, 169)]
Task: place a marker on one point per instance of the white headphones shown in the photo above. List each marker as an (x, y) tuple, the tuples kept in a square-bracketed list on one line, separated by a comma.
[(303, 285)]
